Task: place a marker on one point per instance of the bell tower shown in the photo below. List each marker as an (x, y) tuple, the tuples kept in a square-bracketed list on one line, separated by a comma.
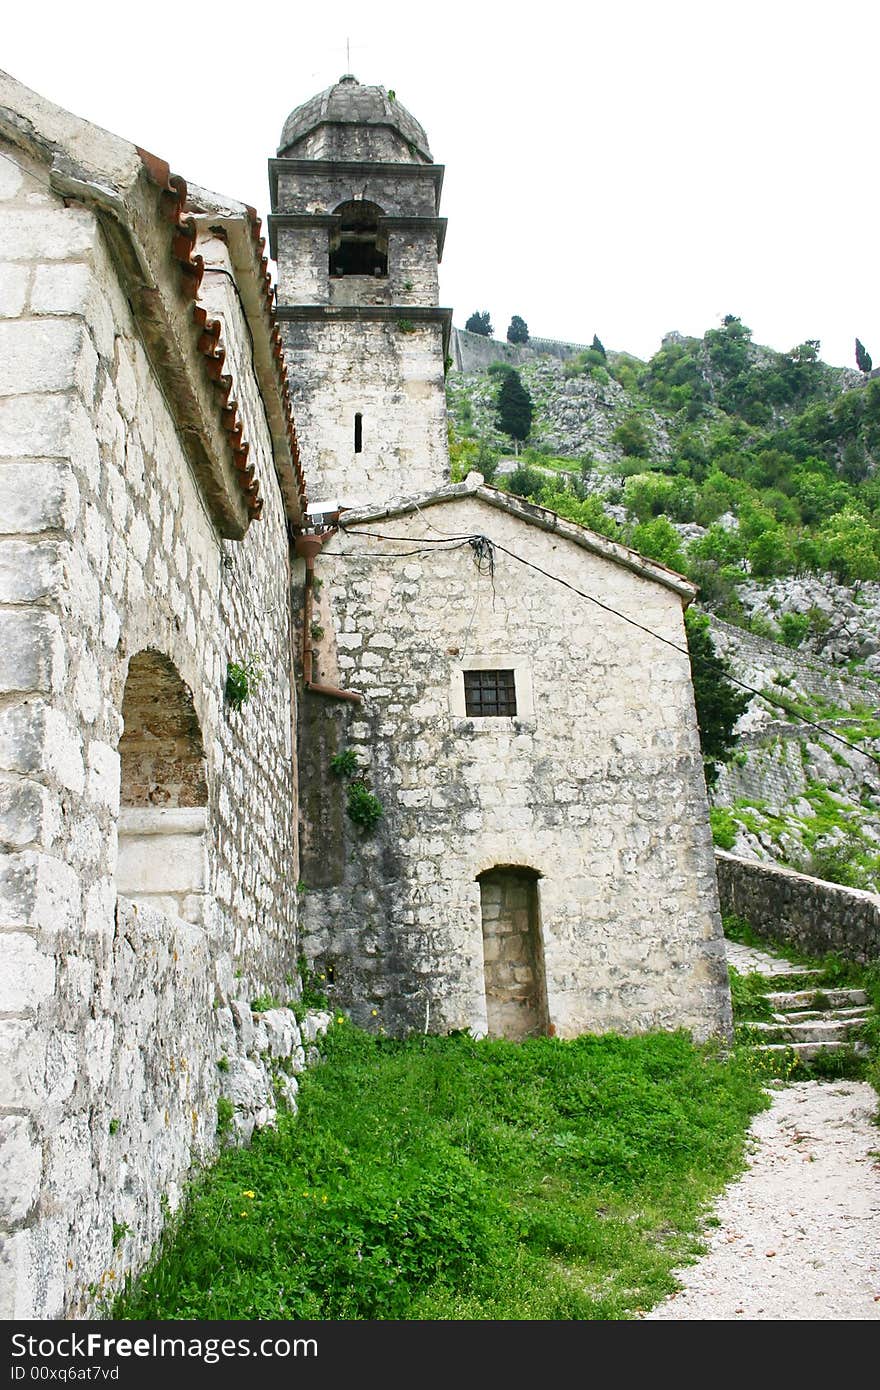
[(357, 238)]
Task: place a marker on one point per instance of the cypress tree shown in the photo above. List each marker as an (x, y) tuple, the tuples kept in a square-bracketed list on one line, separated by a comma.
[(514, 407)]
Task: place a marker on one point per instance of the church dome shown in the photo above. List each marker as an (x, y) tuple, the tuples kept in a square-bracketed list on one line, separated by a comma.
[(351, 103)]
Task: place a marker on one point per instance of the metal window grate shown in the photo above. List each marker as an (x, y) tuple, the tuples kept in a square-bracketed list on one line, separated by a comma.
[(489, 693)]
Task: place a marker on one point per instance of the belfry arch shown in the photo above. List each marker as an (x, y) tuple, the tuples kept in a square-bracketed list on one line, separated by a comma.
[(360, 246)]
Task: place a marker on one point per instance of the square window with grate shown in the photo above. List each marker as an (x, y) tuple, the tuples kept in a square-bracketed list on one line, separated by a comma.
[(489, 693)]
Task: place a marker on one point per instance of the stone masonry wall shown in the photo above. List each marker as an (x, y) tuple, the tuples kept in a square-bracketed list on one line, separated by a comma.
[(394, 379), (811, 914), (597, 784), (109, 1032)]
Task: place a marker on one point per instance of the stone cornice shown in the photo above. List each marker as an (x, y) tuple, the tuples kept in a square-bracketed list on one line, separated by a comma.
[(350, 168), (368, 313)]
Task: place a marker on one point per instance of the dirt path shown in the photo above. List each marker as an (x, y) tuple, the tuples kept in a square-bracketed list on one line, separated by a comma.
[(799, 1232)]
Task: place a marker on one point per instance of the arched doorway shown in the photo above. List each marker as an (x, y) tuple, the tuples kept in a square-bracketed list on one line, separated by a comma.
[(163, 792), (513, 955)]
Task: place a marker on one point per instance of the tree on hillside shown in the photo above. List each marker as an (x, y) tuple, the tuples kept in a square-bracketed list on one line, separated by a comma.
[(514, 407), (596, 345), (850, 547), (719, 703), (479, 322), (863, 358), (518, 332)]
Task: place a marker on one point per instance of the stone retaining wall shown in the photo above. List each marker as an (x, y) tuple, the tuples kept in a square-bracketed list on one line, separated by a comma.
[(809, 913)]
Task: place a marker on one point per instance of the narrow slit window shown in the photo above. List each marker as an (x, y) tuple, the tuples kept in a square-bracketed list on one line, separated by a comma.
[(489, 693), (358, 433)]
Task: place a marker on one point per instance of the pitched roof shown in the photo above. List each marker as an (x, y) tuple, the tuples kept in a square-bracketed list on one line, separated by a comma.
[(530, 515)]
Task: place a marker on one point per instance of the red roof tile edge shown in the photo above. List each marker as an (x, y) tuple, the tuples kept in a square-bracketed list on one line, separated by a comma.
[(192, 267)]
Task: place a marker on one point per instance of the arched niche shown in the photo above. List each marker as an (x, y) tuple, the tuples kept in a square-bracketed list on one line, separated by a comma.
[(359, 247), (513, 953), (163, 815)]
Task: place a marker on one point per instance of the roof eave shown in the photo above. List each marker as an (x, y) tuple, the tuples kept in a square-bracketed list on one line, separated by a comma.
[(533, 515)]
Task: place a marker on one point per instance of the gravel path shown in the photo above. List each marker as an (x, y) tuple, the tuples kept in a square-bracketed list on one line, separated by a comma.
[(799, 1233)]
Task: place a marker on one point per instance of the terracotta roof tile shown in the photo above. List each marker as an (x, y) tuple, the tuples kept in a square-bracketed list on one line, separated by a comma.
[(172, 202)]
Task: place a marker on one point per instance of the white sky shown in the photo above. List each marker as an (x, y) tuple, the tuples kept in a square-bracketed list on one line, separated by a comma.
[(621, 168)]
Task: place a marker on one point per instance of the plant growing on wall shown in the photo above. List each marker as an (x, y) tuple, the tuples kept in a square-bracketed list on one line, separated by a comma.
[(344, 763), (242, 679), (364, 808)]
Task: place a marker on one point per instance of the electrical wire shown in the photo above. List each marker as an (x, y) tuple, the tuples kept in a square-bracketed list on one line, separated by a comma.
[(476, 539)]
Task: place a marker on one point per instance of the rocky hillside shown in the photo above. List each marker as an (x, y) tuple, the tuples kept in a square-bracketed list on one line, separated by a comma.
[(756, 473)]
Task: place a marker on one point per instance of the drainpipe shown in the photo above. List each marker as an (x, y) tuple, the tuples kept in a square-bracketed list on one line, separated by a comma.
[(308, 545)]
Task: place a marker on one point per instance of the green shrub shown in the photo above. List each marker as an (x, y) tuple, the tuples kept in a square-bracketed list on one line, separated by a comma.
[(344, 763), (793, 628), (363, 807), (724, 827), (242, 679)]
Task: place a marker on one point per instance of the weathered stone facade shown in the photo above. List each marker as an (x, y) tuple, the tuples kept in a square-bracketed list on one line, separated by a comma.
[(593, 793), (124, 772), (596, 785)]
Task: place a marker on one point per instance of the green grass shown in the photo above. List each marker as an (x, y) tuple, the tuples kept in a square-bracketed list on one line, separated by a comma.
[(445, 1178)]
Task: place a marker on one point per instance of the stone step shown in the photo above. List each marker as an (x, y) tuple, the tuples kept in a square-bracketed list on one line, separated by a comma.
[(807, 1015), (819, 1030), (809, 1051), (805, 998)]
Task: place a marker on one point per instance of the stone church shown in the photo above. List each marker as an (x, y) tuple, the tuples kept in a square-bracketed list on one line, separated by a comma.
[(415, 731)]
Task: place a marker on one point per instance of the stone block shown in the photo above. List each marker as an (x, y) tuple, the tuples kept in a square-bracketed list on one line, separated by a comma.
[(39, 892), (288, 1087), (28, 975), (38, 495), (315, 1023), (11, 178), (63, 288), (162, 851), (35, 426), (69, 1159), (62, 753), (87, 688), (31, 571), (21, 1162), (282, 1032), (45, 355), (227, 1040), (103, 775), (46, 234), (14, 1278), (22, 1064), (98, 1049), (246, 1085), (243, 1018), (25, 813), (32, 655), (13, 289)]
